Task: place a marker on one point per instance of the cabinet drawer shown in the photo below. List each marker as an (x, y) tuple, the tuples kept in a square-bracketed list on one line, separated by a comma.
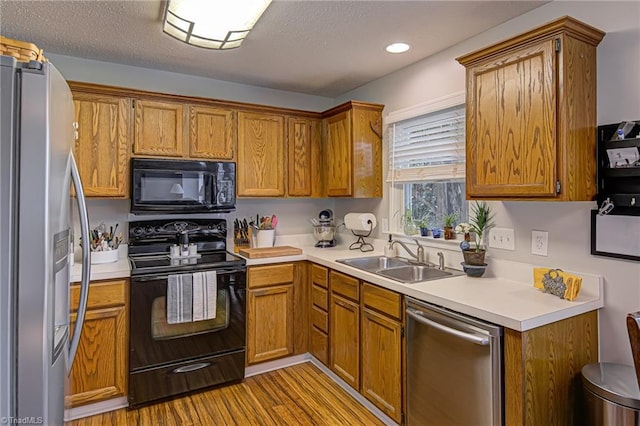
[(320, 319), (102, 294), (262, 276), (345, 285), (320, 297), (382, 300), (320, 345), (319, 275)]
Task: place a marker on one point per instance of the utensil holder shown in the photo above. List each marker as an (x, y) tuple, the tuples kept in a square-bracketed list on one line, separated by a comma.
[(263, 238)]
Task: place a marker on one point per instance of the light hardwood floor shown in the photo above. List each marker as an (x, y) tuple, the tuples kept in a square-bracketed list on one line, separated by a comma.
[(296, 395)]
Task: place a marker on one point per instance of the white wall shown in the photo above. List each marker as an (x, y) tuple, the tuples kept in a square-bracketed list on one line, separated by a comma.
[(293, 213), (87, 70), (568, 224)]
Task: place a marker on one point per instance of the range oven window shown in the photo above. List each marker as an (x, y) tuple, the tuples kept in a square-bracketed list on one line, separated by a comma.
[(162, 330), (169, 187)]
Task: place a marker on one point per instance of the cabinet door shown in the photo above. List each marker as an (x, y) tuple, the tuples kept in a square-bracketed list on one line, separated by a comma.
[(102, 147), (260, 171), (338, 155), (269, 323), (511, 124), (158, 129), (366, 167), (344, 337), (304, 177), (100, 368), (382, 363), (211, 133)]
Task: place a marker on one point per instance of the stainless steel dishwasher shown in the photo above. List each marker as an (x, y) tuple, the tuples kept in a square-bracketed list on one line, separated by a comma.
[(454, 368)]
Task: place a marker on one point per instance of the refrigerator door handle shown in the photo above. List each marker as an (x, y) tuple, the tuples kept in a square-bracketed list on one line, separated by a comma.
[(86, 261)]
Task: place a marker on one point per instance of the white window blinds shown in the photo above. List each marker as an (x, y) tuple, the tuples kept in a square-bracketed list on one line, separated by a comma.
[(428, 147)]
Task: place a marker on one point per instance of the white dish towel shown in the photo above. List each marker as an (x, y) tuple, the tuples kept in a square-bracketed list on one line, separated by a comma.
[(205, 292), (179, 298)]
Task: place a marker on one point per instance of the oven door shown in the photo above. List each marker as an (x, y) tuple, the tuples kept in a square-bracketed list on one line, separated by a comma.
[(155, 342)]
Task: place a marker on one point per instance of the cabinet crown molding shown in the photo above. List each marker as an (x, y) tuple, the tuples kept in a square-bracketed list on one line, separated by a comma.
[(566, 24)]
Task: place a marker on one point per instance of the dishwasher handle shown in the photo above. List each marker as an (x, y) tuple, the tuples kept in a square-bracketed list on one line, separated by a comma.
[(478, 340)]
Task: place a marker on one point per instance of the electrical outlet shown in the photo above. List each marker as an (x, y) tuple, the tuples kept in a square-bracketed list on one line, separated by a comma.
[(502, 238), (385, 225), (539, 242)]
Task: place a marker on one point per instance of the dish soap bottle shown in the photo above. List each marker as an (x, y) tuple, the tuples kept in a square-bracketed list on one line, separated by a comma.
[(389, 248)]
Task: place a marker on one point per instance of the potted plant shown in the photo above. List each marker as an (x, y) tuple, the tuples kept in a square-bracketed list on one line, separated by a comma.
[(463, 228), (481, 220), (408, 226), (424, 226), (449, 220)]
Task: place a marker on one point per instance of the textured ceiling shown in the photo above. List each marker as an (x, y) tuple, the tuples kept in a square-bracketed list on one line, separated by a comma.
[(321, 48)]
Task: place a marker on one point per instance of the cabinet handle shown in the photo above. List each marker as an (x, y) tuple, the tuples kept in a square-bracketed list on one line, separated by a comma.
[(260, 292)]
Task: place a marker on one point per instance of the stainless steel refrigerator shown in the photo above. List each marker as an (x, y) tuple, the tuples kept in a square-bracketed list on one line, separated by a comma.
[(36, 171)]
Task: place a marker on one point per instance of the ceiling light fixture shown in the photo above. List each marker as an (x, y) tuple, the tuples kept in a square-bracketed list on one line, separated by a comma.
[(212, 24), (397, 47)]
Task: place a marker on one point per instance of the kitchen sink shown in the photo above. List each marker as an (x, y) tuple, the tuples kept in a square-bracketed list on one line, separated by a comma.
[(374, 263), (414, 273), (399, 269)]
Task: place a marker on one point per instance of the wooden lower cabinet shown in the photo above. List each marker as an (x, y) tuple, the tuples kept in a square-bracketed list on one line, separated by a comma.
[(270, 325), (100, 369), (319, 321), (344, 335), (381, 359), (277, 311), (542, 371)]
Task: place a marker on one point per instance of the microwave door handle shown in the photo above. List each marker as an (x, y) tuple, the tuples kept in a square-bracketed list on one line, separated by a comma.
[(86, 262)]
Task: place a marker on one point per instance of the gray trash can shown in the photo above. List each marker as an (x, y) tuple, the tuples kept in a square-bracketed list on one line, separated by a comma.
[(611, 395)]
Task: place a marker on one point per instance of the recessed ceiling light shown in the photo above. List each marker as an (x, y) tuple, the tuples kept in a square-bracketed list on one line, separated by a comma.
[(398, 47)]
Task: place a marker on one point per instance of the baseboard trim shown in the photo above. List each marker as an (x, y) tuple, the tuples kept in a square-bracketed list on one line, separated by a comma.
[(117, 403), (307, 357), (277, 364), (351, 391), (96, 408)]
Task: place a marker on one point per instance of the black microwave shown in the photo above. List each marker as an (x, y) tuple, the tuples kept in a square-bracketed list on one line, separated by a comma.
[(182, 186)]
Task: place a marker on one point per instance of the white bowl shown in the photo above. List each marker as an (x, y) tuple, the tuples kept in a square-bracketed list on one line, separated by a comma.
[(108, 256)]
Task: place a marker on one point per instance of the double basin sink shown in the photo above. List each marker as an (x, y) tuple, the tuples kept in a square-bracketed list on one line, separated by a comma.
[(399, 269)]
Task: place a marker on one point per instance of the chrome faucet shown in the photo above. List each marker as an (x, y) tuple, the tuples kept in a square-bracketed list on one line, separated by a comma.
[(420, 254), (440, 260)]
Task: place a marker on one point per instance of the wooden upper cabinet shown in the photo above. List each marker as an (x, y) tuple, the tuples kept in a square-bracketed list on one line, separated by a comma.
[(531, 115), (102, 147), (158, 128), (261, 155), (304, 155), (211, 133), (353, 150), (338, 155)]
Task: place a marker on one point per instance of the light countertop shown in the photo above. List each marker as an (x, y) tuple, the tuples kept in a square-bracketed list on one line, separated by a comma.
[(508, 299), (512, 301)]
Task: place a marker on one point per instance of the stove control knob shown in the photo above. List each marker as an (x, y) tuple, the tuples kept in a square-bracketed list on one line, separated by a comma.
[(137, 231), (158, 229), (221, 227), (149, 230)]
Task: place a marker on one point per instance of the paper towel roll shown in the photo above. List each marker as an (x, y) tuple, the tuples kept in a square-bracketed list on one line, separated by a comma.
[(360, 221)]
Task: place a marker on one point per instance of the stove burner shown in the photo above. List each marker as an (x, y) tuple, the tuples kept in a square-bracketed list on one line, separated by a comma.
[(150, 243)]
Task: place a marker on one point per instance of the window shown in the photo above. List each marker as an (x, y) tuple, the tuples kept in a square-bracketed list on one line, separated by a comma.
[(426, 165)]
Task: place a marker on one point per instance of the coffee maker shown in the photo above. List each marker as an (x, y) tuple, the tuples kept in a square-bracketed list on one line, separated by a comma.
[(324, 229)]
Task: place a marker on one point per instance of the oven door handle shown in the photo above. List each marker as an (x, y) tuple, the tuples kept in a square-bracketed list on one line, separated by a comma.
[(191, 367), (163, 276)]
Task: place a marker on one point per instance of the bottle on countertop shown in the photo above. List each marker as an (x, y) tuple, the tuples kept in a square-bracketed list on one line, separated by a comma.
[(389, 248)]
